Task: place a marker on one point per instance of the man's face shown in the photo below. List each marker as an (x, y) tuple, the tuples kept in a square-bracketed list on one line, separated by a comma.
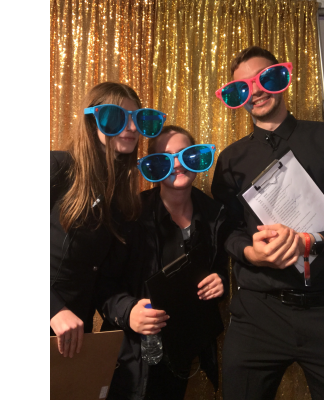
[(262, 106)]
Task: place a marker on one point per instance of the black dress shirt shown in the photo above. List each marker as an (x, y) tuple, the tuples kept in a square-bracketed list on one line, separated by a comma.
[(243, 161)]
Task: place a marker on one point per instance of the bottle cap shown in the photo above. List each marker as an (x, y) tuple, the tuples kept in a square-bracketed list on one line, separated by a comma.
[(148, 306)]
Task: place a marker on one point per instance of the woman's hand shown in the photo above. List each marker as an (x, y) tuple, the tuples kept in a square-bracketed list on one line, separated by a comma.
[(69, 331), (210, 287), (147, 321)]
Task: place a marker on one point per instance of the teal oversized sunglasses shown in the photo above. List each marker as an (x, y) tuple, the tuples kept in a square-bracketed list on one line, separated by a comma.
[(196, 158), (112, 119)]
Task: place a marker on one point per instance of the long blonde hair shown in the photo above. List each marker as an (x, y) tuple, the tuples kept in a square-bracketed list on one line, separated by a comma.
[(93, 172)]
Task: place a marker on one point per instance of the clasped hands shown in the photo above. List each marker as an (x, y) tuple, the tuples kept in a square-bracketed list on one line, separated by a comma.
[(275, 246), (151, 321)]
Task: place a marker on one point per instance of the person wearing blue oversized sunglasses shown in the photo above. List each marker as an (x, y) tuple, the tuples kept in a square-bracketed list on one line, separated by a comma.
[(176, 217), (94, 184)]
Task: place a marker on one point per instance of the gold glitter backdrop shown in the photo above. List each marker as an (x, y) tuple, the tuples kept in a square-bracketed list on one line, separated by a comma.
[(195, 42), (95, 41), (175, 54)]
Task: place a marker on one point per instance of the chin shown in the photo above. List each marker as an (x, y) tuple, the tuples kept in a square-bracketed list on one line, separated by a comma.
[(125, 150)]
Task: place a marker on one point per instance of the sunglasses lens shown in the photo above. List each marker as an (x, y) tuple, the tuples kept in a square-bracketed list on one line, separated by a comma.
[(149, 122), (111, 120), (198, 158), (275, 78), (235, 94), (156, 167)]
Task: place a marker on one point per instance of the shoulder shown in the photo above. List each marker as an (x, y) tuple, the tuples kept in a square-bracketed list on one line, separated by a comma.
[(59, 181), (60, 159), (310, 128)]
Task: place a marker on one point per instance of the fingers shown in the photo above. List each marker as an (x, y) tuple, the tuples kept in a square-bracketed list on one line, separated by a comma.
[(217, 294), (212, 287), (75, 340), (282, 241), (207, 280), (291, 255), (214, 292), (67, 344), (69, 331), (274, 227), (60, 344), (277, 249), (147, 321), (264, 235), (80, 338)]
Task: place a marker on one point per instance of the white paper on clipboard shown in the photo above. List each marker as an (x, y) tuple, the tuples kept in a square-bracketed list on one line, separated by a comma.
[(286, 194)]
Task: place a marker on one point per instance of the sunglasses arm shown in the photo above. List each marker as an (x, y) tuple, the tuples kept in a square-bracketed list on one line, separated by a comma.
[(89, 110)]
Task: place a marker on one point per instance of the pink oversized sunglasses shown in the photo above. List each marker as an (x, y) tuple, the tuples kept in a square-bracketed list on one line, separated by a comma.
[(274, 79)]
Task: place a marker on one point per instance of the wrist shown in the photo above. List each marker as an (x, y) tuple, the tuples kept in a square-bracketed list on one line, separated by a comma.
[(249, 254), (302, 242), (317, 246)]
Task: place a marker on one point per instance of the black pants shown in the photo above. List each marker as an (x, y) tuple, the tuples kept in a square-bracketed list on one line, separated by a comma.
[(263, 339)]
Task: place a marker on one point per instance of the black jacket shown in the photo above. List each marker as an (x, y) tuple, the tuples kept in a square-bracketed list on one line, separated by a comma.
[(76, 256), (138, 260)]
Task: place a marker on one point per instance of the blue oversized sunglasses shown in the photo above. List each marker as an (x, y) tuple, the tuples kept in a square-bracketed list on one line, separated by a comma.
[(196, 158), (112, 119)]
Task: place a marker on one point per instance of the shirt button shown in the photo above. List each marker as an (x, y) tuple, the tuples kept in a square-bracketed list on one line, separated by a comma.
[(95, 268)]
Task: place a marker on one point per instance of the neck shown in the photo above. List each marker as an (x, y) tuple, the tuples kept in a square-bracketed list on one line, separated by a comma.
[(178, 203), (273, 122)]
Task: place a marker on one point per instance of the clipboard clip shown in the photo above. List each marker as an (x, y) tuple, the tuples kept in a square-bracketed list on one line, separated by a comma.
[(273, 163), (176, 265)]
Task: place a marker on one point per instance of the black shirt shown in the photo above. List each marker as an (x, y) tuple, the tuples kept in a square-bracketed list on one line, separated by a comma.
[(243, 161)]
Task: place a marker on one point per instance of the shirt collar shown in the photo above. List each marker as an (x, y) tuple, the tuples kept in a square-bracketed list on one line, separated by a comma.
[(284, 130)]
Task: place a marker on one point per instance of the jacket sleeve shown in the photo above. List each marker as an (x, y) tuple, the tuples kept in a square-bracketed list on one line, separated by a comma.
[(114, 295), (220, 265), (58, 165), (225, 190), (57, 303)]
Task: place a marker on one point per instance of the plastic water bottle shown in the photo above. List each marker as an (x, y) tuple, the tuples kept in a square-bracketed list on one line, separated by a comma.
[(151, 346)]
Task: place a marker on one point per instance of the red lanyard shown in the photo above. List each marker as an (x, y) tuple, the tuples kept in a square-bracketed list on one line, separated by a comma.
[(306, 255)]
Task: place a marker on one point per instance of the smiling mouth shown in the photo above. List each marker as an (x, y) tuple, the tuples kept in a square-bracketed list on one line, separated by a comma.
[(259, 102), (127, 138), (179, 173)]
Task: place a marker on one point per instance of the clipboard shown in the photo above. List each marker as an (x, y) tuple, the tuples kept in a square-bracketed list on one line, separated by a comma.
[(285, 193), (275, 166), (88, 375), (174, 289)]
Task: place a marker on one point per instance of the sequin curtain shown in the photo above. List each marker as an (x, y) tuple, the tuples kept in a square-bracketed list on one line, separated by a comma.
[(95, 41), (195, 42), (175, 54)]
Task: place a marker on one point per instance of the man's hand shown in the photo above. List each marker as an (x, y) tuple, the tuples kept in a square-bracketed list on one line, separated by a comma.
[(275, 246), (69, 331), (147, 321), (210, 287)]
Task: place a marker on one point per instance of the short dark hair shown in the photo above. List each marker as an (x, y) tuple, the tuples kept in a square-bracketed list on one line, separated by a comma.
[(165, 130), (250, 52)]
